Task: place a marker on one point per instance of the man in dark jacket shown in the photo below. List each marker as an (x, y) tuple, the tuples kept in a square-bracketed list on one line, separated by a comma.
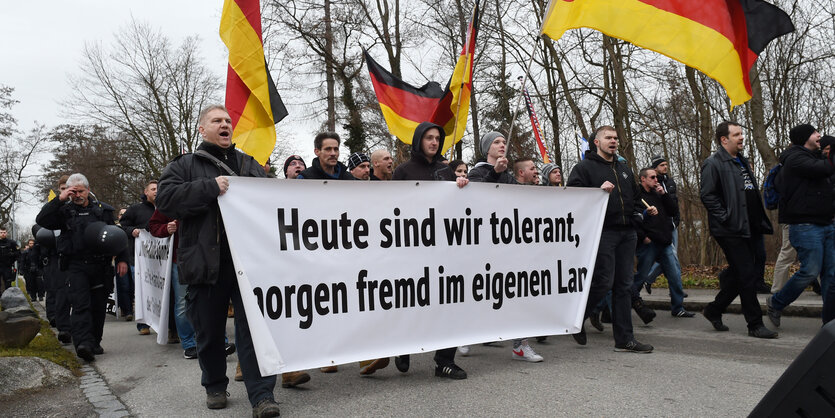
[(805, 205), (89, 269), (495, 169), (425, 164), (737, 221), (134, 220), (666, 181), (616, 252), (326, 165), (188, 191), (655, 244), (8, 255)]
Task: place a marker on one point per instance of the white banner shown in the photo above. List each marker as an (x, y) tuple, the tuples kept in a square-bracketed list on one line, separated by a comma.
[(152, 281), (333, 272)]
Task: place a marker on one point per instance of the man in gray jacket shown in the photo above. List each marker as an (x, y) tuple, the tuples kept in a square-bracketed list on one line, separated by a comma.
[(188, 191)]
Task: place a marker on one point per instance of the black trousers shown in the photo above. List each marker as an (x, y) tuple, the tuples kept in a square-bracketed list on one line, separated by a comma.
[(613, 271), (7, 276), (34, 285), (88, 289), (206, 308), (739, 279), (57, 295)]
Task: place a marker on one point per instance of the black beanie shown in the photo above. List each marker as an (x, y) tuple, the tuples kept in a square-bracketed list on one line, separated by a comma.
[(289, 160), (827, 140), (801, 133), (657, 160)]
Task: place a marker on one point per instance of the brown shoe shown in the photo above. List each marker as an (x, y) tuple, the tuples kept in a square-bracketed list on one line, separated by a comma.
[(145, 331), (373, 366), (329, 369), (173, 338), (231, 312), (293, 379), (239, 375)]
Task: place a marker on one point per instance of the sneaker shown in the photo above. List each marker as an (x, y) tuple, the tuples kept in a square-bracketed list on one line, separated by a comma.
[(716, 321), (64, 337), (145, 331), (98, 350), (190, 353), (380, 363), (645, 313), (452, 371), (464, 350), (402, 363), (762, 332), (216, 400), (594, 318), (773, 314), (683, 314), (265, 408), (293, 379), (634, 346), (525, 352), (648, 287), (85, 352), (329, 369), (580, 337), (229, 349)]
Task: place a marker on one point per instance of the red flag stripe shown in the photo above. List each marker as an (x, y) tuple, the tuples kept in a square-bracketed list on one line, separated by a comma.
[(252, 10)]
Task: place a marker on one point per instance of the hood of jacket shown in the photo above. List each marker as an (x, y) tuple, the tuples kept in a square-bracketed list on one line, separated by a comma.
[(417, 151)]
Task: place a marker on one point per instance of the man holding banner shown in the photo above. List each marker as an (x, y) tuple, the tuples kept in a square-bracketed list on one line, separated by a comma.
[(188, 191), (616, 251)]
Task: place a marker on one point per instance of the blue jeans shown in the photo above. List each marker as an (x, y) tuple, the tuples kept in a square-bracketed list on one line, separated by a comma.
[(656, 267), (815, 245), (124, 290), (184, 328), (665, 255)]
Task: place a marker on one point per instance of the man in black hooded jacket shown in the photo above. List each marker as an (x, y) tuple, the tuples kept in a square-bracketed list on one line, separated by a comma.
[(425, 164)]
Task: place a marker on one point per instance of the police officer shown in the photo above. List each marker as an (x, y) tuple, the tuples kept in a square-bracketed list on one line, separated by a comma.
[(76, 213), (8, 254)]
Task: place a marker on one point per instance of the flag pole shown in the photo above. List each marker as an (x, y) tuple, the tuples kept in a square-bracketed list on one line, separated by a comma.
[(516, 109), (470, 28)]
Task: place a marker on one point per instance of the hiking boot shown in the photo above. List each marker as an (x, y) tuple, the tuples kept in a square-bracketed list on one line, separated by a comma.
[(606, 316), (464, 350), (190, 353), (716, 321), (762, 332), (265, 408), (634, 346), (216, 400), (370, 368), (580, 337), (85, 352), (594, 318), (645, 313), (239, 374), (402, 363), (773, 314), (526, 353), (452, 371), (329, 369), (64, 337), (229, 349), (293, 379), (683, 314)]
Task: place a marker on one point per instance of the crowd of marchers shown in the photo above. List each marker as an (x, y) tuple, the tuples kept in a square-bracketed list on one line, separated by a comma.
[(74, 254)]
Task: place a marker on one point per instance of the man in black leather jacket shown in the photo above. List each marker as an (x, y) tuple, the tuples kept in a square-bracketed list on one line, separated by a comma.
[(737, 221)]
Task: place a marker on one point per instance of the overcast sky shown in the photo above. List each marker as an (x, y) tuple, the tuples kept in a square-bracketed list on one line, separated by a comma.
[(43, 42)]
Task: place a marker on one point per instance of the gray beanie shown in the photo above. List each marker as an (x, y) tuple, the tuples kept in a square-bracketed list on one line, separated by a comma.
[(546, 173), (488, 139)]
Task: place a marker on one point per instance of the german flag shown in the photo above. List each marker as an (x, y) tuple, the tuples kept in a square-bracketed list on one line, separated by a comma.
[(251, 97), (405, 106), (721, 38)]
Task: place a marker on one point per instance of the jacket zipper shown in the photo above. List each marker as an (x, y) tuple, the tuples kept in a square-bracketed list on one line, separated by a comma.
[(620, 194)]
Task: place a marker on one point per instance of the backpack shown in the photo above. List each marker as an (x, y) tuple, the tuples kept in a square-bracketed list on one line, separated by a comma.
[(771, 196)]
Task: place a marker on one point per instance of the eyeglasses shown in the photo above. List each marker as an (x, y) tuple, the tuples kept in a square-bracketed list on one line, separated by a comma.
[(652, 177)]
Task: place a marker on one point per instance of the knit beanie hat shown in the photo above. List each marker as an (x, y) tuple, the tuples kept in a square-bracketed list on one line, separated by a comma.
[(488, 139), (657, 160), (356, 159), (289, 160), (546, 173), (801, 133), (827, 140)]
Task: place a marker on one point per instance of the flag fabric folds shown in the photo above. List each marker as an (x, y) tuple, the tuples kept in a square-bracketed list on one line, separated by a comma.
[(405, 106), (251, 97), (721, 38), (537, 130)]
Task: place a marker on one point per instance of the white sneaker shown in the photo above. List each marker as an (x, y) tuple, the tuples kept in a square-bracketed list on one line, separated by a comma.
[(464, 350), (525, 352)]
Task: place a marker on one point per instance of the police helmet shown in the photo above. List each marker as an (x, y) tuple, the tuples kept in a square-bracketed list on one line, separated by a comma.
[(45, 237), (103, 239)]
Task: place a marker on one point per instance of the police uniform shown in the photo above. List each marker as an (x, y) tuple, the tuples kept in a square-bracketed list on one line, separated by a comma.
[(89, 273), (8, 255)]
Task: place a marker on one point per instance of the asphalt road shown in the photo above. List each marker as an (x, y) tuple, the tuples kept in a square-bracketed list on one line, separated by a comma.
[(694, 371)]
